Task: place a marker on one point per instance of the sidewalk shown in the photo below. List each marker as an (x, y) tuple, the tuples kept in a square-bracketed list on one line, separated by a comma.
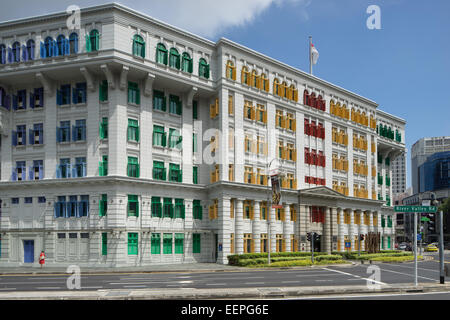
[(229, 293)]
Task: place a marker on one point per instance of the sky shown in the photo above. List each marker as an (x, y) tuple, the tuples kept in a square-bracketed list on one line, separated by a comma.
[(404, 66)]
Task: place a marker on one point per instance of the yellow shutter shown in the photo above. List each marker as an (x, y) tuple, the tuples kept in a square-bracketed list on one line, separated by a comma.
[(234, 73), (242, 75), (253, 113), (265, 116), (295, 184), (283, 121), (230, 104), (253, 178), (265, 148), (283, 244), (252, 213)]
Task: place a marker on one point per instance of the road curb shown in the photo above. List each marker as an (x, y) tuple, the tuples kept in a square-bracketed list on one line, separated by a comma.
[(205, 294)]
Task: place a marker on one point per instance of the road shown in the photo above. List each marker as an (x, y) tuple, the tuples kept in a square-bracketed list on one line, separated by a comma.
[(400, 273)]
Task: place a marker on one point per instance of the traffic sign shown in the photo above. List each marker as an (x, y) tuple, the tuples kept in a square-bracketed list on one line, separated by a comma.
[(419, 237), (425, 219), (412, 209), (348, 244)]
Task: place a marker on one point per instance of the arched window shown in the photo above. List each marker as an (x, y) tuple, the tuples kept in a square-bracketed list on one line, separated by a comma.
[(264, 82), (60, 42), (284, 90), (138, 46), (332, 107), (93, 41), (255, 79), (187, 65), (312, 100), (48, 47), (174, 60), (2, 54), (203, 69), (245, 74), (161, 54), (305, 98), (230, 70), (30, 49), (294, 93), (276, 87), (16, 51), (73, 43)]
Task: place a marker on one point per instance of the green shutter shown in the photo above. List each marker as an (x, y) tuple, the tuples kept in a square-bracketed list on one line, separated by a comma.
[(196, 243), (179, 243), (167, 243), (104, 243), (195, 175), (194, 110), (156, 243), (133, 243), (88, 43)]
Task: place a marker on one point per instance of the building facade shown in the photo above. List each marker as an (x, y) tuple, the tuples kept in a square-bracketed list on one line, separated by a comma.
[(130, 142), (420, 151), (399, 175)]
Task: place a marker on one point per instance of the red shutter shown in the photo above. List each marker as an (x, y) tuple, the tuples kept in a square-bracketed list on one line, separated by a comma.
[(307, 126)]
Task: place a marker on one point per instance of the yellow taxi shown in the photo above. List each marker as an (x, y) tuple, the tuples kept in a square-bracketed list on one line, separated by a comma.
[(431, 248)]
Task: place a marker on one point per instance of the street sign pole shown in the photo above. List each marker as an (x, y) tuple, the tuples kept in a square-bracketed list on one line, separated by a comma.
[(312, 246), (441, 248), (359, 245), (415, 249)]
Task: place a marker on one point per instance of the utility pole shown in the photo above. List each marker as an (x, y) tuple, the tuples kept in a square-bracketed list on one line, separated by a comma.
[(441, 248), (415, 249)]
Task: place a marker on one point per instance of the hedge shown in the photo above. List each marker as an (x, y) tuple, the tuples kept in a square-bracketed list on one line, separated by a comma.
[(236, 258), (396, 259), (300, 263)]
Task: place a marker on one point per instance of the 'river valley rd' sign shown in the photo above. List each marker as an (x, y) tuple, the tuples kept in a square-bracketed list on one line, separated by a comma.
[(412, 209)]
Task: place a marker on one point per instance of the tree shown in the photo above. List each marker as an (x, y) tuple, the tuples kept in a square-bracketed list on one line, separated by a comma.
[(445, 206)]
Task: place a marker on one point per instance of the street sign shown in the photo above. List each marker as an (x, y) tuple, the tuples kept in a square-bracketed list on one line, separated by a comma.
[(348, 244), (425, 219), (426, 202), (419, 237), (412, 209)]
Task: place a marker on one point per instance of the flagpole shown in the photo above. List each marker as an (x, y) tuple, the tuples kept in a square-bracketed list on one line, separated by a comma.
[(310, 54)]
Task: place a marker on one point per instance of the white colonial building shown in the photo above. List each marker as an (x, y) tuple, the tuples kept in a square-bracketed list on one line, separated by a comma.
[(131, 142)]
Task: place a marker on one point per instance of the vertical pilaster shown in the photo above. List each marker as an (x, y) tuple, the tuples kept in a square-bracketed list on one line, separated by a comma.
[(256, 226), (239, 225), (342, 230), (351, 232), (224, 230), (287, 227)]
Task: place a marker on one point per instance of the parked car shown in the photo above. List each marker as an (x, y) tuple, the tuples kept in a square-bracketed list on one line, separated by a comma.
[(402, 246), (408, 247), (431, 248)]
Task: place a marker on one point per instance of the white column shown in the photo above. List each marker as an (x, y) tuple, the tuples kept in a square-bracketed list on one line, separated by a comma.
[(286, 227), (256, 226), (272, 240), (239, 225), (342, 228), (352, 232), (224, 230)]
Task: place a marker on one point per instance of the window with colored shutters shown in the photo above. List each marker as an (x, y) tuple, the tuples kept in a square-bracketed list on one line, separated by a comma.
[(156, 207), (133, 130), (197, 210), (103, 91), (156, 243), (179, 243), (196, 247), (167, 243), (168, 208), (134, 95), (179, 209), (132, 243), (195, 175), (104, 244), (133, 167), (133, 205), (103, 206)]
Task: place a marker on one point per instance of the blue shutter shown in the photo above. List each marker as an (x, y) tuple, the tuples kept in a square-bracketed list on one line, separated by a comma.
[(55, 52), (40, 93), (58, 134), (58, 172), (76, 44), (31, 136), (14, 138), (24, 135), (24, 53), (43, 52), (74, 172), (74, 95), (24, 99), (14, 102), (3, 54), (14, 175), (41, 172), (10, 56), (67, 46), (32, 98), (7, 102), (59, 98), (41, 136), (80, 208)]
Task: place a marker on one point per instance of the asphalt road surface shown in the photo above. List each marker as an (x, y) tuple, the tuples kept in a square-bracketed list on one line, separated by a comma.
[(327, 276)]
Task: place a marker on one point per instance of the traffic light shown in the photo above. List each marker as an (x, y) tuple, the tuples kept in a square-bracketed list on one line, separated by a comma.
[(361, 237), (316, 236), (308, 236)]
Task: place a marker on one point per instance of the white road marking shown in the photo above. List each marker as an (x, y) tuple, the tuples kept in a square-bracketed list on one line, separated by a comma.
[(437, 271), (356, 276), (290, 281), (324, 280), (407, 274), (45, 288), (254, 282), (134, 286), (366, 296), (7, 288), (215, 284), (91, 287)]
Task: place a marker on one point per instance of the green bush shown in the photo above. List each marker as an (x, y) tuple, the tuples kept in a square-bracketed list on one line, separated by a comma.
[(300, 263), (328, 258), (235, 259), (396, 258)]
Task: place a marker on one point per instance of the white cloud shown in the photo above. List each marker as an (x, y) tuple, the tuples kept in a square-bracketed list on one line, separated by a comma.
[(207, 17)]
